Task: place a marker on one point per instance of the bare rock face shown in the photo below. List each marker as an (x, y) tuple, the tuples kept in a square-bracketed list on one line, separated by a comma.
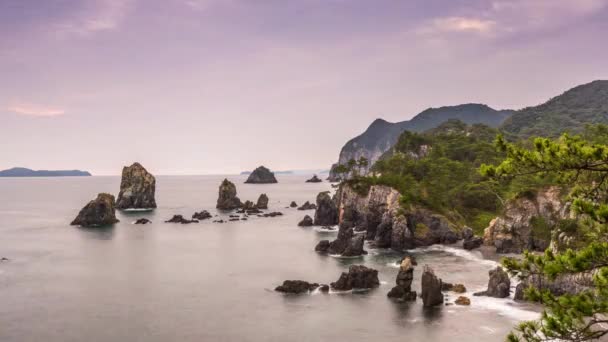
[(262, 202), (513, 232), (261, 175), (571, 284), (227, 199), (431, 288), (98, 212), (355, 246), (137, 188), (403, 290), (306, 222), (358, 277), (306, 206), (327, 212), (499, 284), (203, 215)]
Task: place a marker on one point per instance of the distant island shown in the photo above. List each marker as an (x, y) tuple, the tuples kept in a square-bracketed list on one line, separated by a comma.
[(24, 172)]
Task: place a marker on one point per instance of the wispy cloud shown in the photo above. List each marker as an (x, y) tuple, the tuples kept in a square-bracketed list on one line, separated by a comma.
[(462, 24), (95, 16), (30, 109)]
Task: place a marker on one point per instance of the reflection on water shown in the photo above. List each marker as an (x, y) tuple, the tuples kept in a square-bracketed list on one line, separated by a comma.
[(208, 281)]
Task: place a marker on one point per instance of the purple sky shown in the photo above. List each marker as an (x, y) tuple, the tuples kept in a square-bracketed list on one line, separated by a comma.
[(218, 86)]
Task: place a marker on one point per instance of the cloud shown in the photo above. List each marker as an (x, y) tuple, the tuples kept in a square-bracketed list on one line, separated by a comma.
[(35, 110), (462, 24), (95, 16)]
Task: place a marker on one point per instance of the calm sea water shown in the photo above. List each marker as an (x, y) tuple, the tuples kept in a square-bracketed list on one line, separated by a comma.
[(207, 281)]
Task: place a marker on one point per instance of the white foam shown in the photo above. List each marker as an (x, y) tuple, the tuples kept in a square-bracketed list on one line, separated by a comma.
[(137, 209), (468, 255), (325, 230)]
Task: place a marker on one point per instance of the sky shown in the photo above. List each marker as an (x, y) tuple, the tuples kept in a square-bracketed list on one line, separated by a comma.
[(221, 86)]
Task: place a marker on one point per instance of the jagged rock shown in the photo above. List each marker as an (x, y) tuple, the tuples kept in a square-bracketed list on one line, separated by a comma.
[(472, 243), (98, 212), (306, 221), (355, 246), (339, 245), (296, 286), (180, 219), (358, 277), (314, 179), (327, 212), (322, 246), (293, 204), (512, 231), (203, 215), (403, 289), (137, 188), (462, 300), (227, 199), (261, 175), (431, 288), (262, 202), (306, 206), (571, 284), (143, 221), (499, 284)]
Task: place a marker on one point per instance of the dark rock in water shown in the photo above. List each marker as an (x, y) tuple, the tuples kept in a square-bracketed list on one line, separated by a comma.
[(519, 291), (306, 206), (98, 212), (431, 288), (322, 246), (248, 205), (324, 288), (499, 284), (467, 233), (234, 219), (296, 286), (327, 212), (306, 221), (3, 259), (314, 179), (137, 188), (293, 204), (203, 215), (143, 221), (262, 202), (273, 214), (355, 246), (261, 175), (180, 219), (472, 243), (218, 221), (462, 300), (458, 288), (358, 277), (339, 245), (227, 199), (244, 219), (403, 290)]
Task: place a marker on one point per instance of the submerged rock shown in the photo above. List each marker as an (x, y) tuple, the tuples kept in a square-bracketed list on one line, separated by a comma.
[(262, 202), (327, 212), (143, 221), (306, 206), (180, 219), (403, 290), (137, 188), (314, 179), (227, 199), (499, 284), (306, 221), (296, 286), (261, 175), (98, 212), (358, 277), (203, 215), (431, 288)]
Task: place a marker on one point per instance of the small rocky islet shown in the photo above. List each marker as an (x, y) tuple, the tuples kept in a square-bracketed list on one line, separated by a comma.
[(261, 175)]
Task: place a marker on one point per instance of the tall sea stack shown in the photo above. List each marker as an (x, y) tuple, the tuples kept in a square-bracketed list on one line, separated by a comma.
[(98, 212), (137, 188), (227, 199)]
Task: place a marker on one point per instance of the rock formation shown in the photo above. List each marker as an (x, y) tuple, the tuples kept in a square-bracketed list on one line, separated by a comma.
[(499, 284), (262, 202), (358, 277), (296, 286), (180, 219), (431, 288), (314, 179), (322, 246), (227, 199), (203, 215), (355, 246), (462, 300), (98, 212), (293, 204), (513, 231), (261, 175), (306, 222), (137, 188), (143, 221), (326, 213), (306, 206), (403, 290), (563, 284)]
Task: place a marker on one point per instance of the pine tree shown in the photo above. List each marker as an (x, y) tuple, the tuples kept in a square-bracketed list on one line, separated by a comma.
[(581, 164)]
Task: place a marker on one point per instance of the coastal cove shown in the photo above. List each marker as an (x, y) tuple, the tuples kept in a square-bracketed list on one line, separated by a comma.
[(210, 281)]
